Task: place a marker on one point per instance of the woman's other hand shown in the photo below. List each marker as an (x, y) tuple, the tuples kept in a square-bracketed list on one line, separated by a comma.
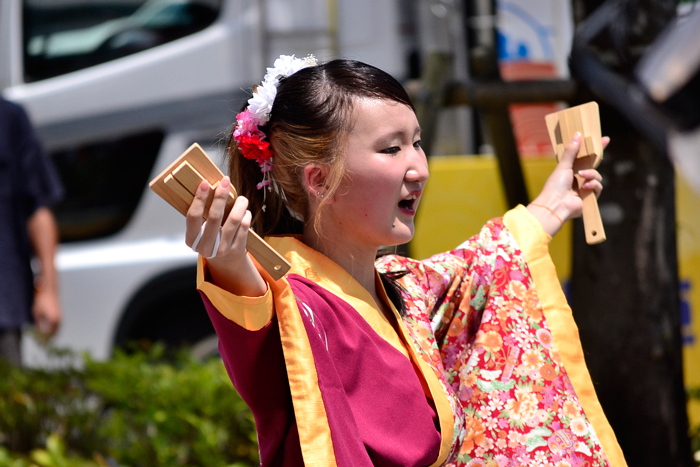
[(229, 265), (559, 200)]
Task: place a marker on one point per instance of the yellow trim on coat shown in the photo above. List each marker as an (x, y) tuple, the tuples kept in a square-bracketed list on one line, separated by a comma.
[(251, 313), (312, 419), (533, 242)]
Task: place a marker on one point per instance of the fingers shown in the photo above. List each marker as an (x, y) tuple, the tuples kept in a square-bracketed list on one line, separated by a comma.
[(47, 313), (590, 174), (592, 181), (234, 232), (594, 186), (195, 214), (46, 326), (215, 216), (208, 231), (570, 151), (211, 238)]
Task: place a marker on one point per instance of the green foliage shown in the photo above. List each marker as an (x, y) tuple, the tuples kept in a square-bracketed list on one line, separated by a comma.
[(137, 409)]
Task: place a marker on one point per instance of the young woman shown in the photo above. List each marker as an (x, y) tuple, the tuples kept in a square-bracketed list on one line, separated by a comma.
[(467, 358)]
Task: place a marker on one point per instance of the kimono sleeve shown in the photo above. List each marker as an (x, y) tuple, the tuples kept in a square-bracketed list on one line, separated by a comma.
[(487, 264), (507, 339), (453, 287), (250, 313)]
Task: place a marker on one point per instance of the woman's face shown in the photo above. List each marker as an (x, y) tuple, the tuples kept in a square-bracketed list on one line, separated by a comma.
[(386, 173)]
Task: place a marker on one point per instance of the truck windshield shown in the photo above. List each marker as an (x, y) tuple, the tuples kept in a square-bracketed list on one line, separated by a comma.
[(61, 36)]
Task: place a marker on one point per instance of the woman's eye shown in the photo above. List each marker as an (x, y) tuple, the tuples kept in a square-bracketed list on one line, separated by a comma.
[(392, 150), (417, 144)]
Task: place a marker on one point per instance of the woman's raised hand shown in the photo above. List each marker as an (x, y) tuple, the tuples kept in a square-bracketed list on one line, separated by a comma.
[(223, 242), (559, 200)]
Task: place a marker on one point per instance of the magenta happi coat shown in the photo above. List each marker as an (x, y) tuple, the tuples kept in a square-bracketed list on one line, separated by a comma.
[(484, 369)]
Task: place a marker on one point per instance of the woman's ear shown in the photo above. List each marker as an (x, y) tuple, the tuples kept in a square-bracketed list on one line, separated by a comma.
[(315, 181)]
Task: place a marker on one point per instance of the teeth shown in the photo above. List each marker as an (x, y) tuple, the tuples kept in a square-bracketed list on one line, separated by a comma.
[(411, 198)]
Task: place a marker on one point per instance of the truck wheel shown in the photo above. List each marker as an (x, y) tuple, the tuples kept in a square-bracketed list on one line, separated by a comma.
[(168, 309)]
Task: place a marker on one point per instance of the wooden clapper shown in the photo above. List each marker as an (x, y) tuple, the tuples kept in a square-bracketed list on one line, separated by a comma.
[(561, 127), (178, 183)]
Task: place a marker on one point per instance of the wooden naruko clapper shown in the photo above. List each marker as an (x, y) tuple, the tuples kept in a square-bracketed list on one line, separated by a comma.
[(561, 127), (177, 185)]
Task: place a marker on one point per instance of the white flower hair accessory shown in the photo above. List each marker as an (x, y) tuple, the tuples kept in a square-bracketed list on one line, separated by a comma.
[(260, 105), (250, 139)]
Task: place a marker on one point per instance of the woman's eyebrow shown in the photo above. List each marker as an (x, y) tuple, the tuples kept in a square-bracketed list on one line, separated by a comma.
[(391, 137), (400, 135)]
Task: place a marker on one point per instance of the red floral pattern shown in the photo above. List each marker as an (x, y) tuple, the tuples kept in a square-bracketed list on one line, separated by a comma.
[(476, 308)]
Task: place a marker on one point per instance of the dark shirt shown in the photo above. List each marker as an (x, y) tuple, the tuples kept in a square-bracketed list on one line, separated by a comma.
[(28, 181)]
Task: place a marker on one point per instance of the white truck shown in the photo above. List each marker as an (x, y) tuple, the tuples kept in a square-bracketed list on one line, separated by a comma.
[(117, 89)]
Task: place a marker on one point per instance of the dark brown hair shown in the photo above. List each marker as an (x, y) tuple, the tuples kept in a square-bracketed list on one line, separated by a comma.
[(310, 119)]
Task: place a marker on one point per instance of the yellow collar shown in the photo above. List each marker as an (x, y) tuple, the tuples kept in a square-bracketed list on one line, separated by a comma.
[(316, 267)]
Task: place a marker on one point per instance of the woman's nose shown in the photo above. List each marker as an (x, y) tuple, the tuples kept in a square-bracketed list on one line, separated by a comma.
[(418, 168)]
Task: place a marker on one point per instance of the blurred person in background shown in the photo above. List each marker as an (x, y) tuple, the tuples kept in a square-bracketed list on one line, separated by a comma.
[(28, 186)]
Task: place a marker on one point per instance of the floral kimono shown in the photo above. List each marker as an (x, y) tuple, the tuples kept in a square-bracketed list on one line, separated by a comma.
[(484, 369)]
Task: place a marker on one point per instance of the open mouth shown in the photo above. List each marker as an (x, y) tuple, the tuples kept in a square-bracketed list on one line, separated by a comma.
[(408, 204)]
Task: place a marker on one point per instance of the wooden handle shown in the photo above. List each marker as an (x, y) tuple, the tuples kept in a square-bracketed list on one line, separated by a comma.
[(274, 263), (592, 222), (177, 185)]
